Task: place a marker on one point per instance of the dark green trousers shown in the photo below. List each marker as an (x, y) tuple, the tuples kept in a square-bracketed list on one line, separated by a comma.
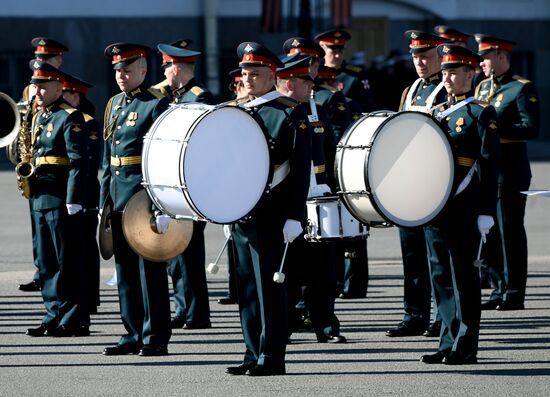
[(453, 242), (416, 271), (142, 291), (189, 279), (58, 245), (262, 302), (90, 256)]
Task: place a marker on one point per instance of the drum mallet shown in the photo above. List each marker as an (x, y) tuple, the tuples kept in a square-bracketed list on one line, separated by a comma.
[(213, 267), (279, 277), (477, 262)]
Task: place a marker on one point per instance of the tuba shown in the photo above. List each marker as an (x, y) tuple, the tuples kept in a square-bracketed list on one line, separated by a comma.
[(10, 121)]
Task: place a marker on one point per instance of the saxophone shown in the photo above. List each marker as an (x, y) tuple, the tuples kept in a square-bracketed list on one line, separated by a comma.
[(25, 168)]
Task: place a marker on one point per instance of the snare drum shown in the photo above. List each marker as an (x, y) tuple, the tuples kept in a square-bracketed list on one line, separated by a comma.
[(395, 167), (329, 219), (206, 162)]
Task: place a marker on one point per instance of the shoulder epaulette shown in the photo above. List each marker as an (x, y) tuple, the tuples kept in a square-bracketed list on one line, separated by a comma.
[(158, 93), (480, 103), (521, 79), (162, 84), (328, 87), (197, 90), (354, 69), (87, 117), (291, 103), (68, 108)]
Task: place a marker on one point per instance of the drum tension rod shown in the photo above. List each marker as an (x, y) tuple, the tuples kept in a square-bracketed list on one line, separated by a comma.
[(355, 192), (353, 147)]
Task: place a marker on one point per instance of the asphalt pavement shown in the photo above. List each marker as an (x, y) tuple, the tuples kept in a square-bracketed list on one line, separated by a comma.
[(514, 356)]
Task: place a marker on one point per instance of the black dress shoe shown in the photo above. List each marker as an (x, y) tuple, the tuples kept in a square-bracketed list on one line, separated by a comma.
[(150, 351), (64, 332), (436, 358), (434, 330), (264, 370), (330, 338), (240, 369), (405, 328), (120, 350), (38, 331), (227, 301), (490, 304), (198, 325), (506, 305), (30, 287), (177, 322), (456, 358)]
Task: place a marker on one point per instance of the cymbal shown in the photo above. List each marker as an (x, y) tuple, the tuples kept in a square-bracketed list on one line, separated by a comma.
[(138, 225), (105, 234)]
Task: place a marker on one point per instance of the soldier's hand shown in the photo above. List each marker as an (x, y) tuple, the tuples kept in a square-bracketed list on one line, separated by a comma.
[(291, 230), (484, 224), (161, 222), (73, 208)]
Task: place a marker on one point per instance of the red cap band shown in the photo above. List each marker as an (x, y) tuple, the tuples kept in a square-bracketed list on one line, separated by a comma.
[(495, 46), (307, 51), (424, 43), (43, 50), (262, 61), (286, 74), (170, 59), (462, 39), (45, 75), (461, 59), (75, 87), (128, 55)]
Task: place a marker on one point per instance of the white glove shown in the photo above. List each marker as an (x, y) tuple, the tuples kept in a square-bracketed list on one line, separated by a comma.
[(73, 208), (291, 230), (161, 222), (484, 224), (227, 231)]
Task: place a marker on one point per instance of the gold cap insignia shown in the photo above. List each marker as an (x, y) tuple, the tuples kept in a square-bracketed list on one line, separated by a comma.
[(115, 50), (41, 42), (337, 34), (295, 43), (36, 65), (446, 49), (414, 35), (248, 48)]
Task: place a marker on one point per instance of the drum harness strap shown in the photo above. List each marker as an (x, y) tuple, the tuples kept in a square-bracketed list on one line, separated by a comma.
[(313, 117), (283, 170), (429, 101), (468, 178)]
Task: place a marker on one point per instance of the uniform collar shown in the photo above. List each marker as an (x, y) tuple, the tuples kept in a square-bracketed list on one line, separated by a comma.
[(178, 93), (53, 106), (505, 77), (433, 79), (134, 93)]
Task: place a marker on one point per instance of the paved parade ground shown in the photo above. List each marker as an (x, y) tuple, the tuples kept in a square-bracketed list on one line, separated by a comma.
[(514, 356)]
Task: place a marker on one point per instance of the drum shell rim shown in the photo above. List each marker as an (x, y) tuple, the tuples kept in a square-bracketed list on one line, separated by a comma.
[(373, 202), (189, 202)]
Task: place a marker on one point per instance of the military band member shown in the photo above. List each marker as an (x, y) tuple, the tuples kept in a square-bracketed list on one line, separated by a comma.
[(518, 114), (49, 51), (351, 80), (187, 269), (57, 198), (164, 86), (74, 92), (142, 285), (311, 264), (454, 235), (453, 35), (426, 92), (260, 240)]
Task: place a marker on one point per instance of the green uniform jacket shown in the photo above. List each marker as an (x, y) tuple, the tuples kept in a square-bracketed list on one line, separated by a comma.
[(335, 104), (352, 81), (59, 136), (290, 138), (322, 149), (474, 137), (193, 91), (94, 161), (128, 117), (423, 91), (518, 114)]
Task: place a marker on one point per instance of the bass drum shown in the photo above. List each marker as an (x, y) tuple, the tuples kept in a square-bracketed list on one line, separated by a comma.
[(206, 162), (396, 168)]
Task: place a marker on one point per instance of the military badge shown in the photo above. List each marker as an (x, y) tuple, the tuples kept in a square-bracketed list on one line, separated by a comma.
[(499, 99), (295, 43), (493, 124), (115, 50), (248, 48), (132, 117), (340, 86), (42, 42), (302, 125), (459, 124), (414, 36), (76, 128), (533, 98), (49, 128)]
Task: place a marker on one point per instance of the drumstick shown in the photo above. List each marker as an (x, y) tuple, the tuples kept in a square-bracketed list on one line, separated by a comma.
[(279, 277), (213, 267), (477, 262)]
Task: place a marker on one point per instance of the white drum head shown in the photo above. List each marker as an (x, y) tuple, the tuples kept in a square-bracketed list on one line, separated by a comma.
[(410, 169), (226, 165)]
